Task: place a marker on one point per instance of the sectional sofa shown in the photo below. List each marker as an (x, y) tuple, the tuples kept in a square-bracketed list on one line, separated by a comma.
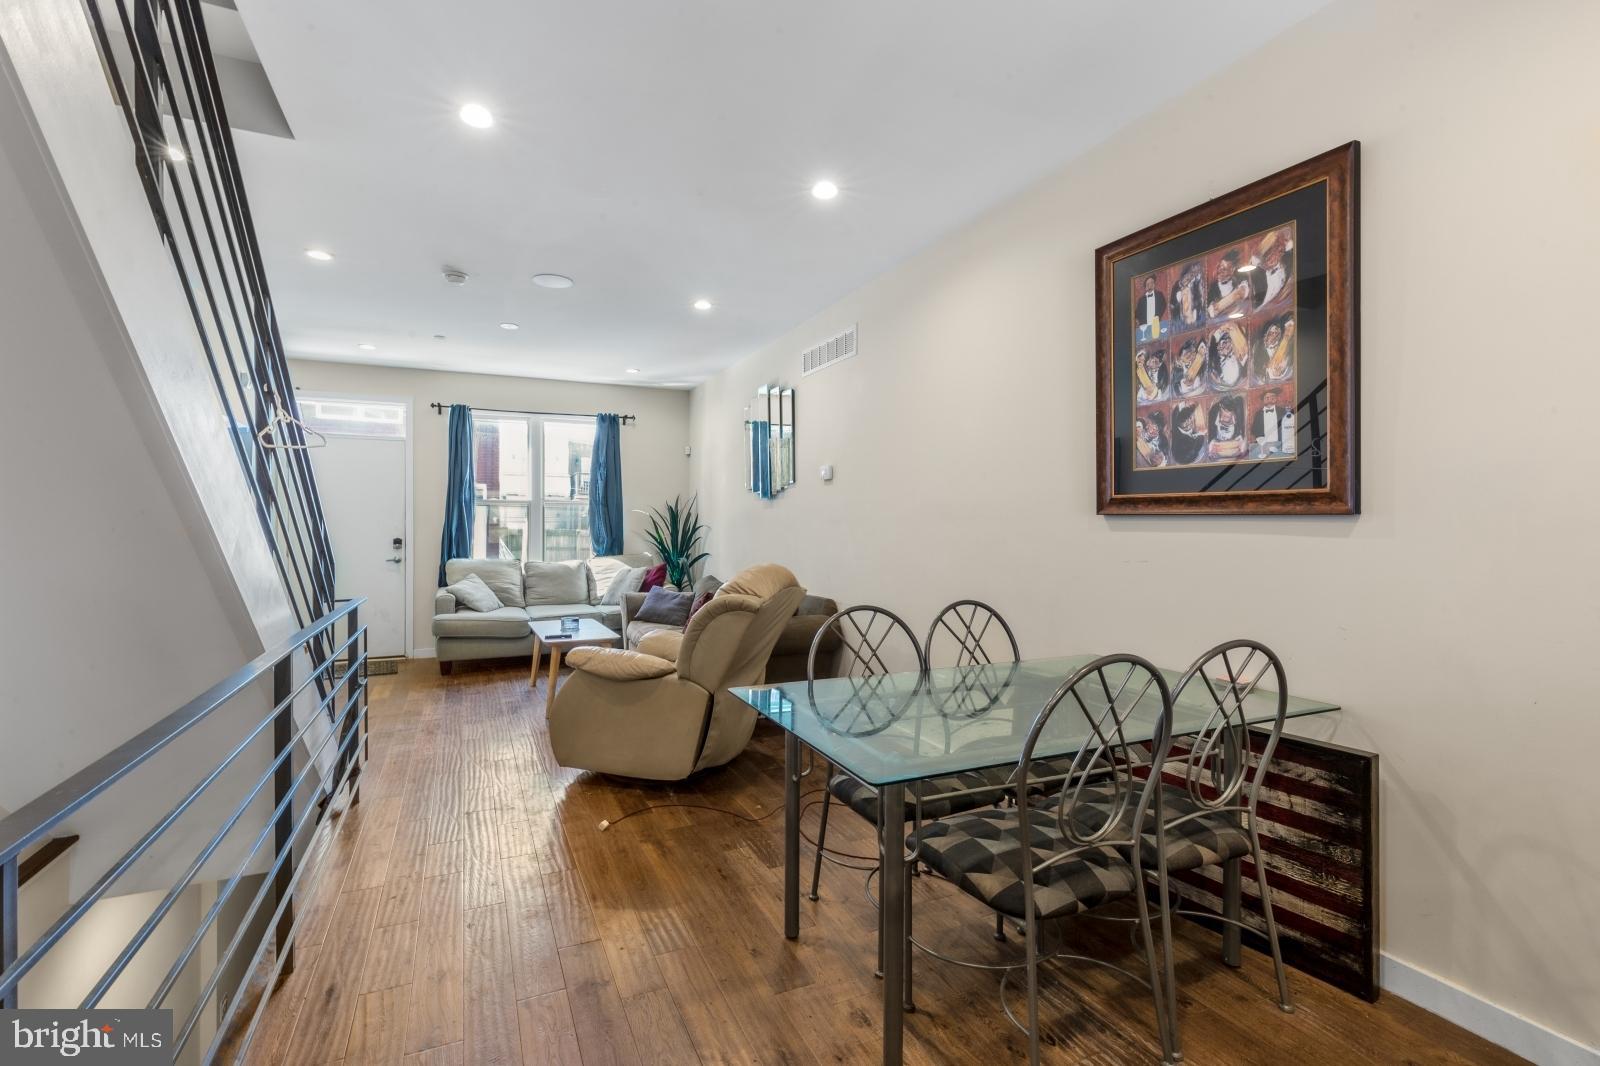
[(530, 592)]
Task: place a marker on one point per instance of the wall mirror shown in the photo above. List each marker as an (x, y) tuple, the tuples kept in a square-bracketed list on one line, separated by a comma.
[(769, 441)]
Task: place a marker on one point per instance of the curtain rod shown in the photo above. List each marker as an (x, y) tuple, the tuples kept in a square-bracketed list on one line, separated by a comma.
[(441, 408)]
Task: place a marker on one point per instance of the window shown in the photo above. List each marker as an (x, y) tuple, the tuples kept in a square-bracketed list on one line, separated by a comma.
[(353, 418), (511, 520)]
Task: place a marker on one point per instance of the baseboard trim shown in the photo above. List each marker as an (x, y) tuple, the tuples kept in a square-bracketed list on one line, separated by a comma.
[(1495, 1024), (423, 653)]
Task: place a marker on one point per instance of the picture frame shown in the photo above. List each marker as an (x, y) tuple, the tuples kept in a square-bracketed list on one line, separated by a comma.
[(1227, 352)]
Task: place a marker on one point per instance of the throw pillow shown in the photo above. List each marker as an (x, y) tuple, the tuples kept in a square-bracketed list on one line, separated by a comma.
[(699, 602), (503, 576), (603, 570), (655, 578), (628, 580), (547, 583), (665, 607), (471, 593)]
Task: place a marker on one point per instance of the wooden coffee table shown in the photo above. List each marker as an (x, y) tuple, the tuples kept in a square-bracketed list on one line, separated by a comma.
[(547, 632)]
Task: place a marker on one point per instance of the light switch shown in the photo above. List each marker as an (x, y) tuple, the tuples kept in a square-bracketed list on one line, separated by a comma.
[(827, 473)]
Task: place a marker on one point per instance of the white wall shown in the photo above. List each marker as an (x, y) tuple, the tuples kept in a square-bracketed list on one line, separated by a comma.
[(66, 975), (120, 605), (1454, 619), (654, 468)]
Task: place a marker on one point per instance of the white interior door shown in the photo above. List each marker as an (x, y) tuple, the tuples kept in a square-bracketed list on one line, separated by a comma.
[(362, 482)]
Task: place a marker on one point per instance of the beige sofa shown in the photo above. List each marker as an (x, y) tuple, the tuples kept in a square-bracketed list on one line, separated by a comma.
[(789, 656), (664, 712), (460, 634)]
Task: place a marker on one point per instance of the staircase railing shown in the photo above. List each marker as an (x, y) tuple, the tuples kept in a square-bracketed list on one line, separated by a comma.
[(342, 671), (160, 69)]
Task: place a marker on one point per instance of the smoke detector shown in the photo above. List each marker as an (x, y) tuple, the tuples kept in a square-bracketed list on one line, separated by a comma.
[(455, 277)]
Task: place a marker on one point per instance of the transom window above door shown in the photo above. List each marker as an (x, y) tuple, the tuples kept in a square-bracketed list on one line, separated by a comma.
[(516, 516), (353, 418)]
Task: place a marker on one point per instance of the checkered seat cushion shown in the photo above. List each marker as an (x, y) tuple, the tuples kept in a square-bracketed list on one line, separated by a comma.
[(1207, 840), (863, 798), (982, 854), (1040, 774)]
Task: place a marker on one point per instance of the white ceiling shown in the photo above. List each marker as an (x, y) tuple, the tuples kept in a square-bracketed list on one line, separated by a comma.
[(662, 150)]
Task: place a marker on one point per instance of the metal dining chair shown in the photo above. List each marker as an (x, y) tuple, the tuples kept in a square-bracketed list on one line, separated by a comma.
[(875, 643), (970, 635), (1211, 816), (1057, 857), (972, 631)]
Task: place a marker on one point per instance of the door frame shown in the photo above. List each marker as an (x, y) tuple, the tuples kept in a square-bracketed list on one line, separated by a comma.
[(410, 597)]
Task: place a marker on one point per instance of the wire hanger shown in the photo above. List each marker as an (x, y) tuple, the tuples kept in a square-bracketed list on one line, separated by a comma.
[(280, 417)]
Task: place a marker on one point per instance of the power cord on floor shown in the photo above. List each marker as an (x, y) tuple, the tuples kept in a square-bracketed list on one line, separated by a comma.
[(607, 823)]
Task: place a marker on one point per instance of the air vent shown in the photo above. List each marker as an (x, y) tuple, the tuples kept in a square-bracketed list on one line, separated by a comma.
[(828, 352)]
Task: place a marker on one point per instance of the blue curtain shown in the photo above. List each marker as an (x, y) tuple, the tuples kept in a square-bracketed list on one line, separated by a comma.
[(456, 542), (605, 486)]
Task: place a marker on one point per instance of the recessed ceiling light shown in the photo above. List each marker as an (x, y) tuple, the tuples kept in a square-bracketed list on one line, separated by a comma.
[(553, 281), (318, 254), (509, 325), (176, 154), (632, 370), (368, 347), (824, 190), (702, 304), (477, 116)]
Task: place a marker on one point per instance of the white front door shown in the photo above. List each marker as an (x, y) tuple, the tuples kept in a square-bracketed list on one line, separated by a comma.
[(362, 482)]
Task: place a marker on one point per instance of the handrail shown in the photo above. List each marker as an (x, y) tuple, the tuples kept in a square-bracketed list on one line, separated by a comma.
[(301, 799), (34, 819)]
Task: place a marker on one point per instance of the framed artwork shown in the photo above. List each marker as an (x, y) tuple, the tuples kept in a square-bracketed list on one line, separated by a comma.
[(1226, 352)]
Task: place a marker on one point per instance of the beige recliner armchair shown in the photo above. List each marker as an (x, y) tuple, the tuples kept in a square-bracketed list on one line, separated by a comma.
[(664, 711)]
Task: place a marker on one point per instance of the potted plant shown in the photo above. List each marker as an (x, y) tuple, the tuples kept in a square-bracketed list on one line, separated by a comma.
[(675, 535)]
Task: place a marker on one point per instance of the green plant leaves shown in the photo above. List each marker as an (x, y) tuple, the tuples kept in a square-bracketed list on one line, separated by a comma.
[(675, 534)]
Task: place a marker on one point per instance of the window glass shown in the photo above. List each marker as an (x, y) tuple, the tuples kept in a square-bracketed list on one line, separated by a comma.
[(510, 522), (567, 449), (353, 418), (502, 463)]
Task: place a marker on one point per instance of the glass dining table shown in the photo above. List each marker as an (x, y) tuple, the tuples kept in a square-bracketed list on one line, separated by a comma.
[(895, 729)]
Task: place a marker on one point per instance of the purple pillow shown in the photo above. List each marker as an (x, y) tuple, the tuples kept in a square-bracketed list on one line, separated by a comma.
[(665, 607)]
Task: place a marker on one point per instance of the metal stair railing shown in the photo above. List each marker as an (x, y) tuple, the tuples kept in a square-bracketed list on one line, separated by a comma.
[(160, 68), (342, 672)]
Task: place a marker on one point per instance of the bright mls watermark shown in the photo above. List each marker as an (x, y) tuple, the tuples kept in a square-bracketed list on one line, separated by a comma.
[(126, 1037)]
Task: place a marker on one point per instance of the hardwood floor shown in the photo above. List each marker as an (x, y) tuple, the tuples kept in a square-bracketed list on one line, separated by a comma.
[(471, 911)]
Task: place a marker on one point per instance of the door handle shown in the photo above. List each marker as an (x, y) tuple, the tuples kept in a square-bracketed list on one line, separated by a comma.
[(396, 559)]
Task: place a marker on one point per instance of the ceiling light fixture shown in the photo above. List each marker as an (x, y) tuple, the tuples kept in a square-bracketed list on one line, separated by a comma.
[(632, 370), (176, 154), (702, 304), (509, 325), (824, 190), (319, 255), (477, 116), (552, 281), (368, 347)]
